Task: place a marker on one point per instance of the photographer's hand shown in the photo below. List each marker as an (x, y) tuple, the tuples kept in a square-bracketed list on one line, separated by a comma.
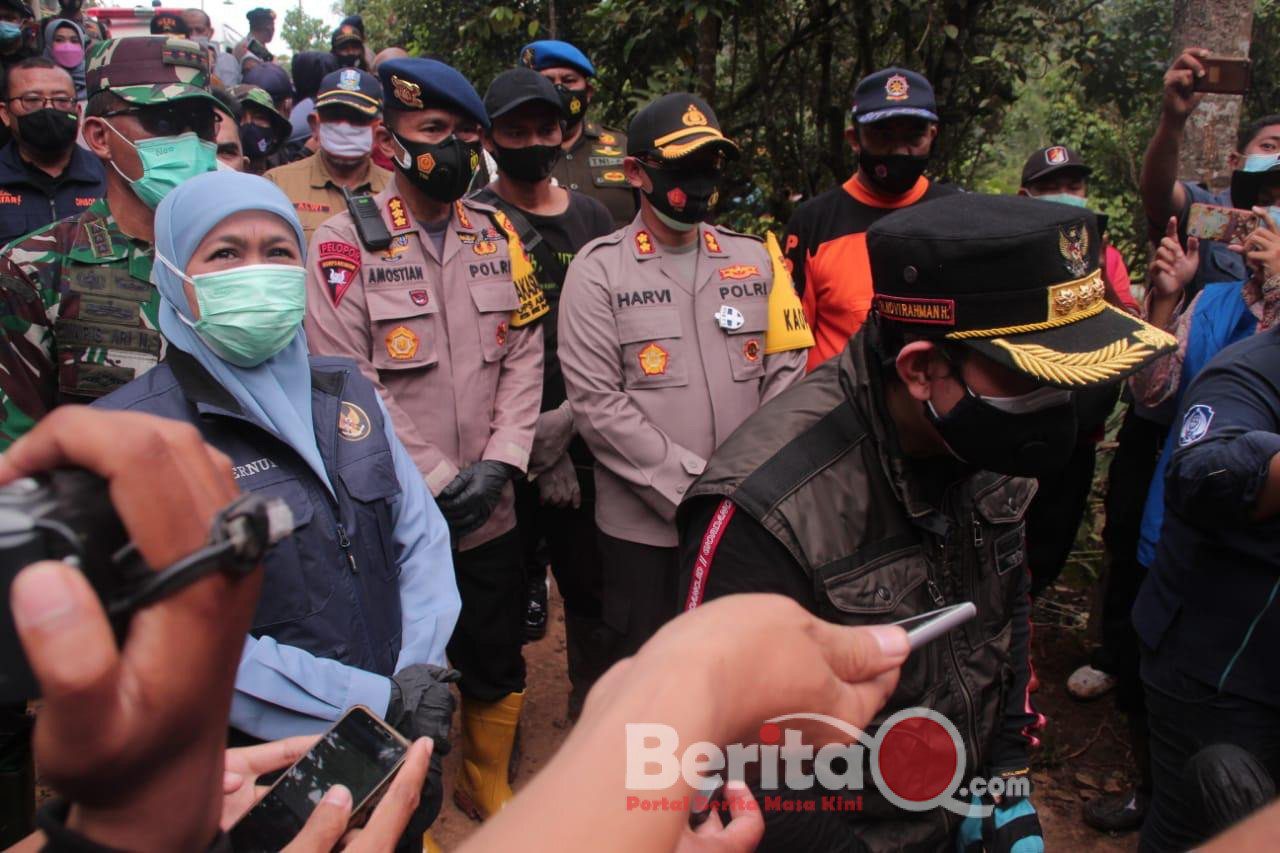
[(134, 738)]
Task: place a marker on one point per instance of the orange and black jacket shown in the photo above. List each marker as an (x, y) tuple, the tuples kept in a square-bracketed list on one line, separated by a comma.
[(826, 252)]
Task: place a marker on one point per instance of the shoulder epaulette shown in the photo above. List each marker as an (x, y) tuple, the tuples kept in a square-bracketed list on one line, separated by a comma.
[(733, 233)]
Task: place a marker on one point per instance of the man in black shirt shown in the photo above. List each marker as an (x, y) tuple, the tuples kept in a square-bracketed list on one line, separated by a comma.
[(554, 223), (44, 175)]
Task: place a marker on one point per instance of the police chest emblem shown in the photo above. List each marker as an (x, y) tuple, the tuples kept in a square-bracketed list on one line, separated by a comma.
[(402, 344), (729, 318), (608, 139), (1073, 244), (399, 245), (751, 349), (353, 423), (419, 297), (653, 360), (896, 88), (1195, 424)]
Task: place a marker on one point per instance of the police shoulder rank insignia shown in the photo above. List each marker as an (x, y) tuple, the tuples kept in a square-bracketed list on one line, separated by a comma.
[(396, 210), (693, 117), (653, 360), (644, 243), (1195, 424), (353, 423), (339, 265), (406, 92), (896, 88), (713, 244), (788, 328), (402, 343), (463, 219), (1073, 244)]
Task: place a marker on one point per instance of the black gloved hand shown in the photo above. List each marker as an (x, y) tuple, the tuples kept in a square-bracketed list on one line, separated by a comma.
[(422, 704), (469, 500)]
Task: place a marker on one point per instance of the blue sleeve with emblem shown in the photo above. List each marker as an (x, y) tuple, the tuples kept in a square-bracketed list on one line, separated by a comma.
[(429, 602), (1226, 435)]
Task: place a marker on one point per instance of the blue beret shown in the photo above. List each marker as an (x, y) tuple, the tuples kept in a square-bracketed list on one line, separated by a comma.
[(413, 84), (555, 54)]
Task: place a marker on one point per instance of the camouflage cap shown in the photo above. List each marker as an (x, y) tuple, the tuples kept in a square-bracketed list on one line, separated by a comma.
[(258, 97), (147, 70)]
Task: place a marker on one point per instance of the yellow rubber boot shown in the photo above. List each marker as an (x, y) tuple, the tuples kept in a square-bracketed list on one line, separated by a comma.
[(429, 844), (488, 732)]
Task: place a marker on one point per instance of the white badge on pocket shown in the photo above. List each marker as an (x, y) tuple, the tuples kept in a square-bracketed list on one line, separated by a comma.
[(729, 318)]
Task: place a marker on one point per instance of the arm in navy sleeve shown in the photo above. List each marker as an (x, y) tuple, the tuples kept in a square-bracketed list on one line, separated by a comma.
[(429, 602), (1014, 739), (1219, 469)]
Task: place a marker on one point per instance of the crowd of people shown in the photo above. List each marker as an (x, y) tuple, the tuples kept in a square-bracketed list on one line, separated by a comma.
[(469, 339)]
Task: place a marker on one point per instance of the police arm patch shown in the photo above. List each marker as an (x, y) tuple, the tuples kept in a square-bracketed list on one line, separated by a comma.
[(1195, 424), (788, 328), (339, 264)]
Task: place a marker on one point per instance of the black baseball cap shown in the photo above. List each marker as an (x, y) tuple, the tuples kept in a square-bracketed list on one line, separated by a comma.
[(675, 126), (353, 88), (1047, 161), (18, 6), (893, 92), (1016, 279), (346, 33), (517, 87)]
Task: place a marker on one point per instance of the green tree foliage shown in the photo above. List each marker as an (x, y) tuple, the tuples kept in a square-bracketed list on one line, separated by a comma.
[(303, 32)]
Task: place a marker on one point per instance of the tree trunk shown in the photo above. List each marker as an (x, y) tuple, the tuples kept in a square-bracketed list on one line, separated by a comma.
[(1222, 26), (708, 49)]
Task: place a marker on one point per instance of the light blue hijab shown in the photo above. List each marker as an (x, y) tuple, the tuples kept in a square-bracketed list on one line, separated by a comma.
[(277, 393)]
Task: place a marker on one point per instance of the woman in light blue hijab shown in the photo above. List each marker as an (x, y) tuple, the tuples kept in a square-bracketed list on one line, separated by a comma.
[(363, 592)]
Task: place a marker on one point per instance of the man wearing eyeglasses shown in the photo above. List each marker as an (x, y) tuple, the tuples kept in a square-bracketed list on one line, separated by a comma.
[(671, 332), (78, 307), (44, 175)]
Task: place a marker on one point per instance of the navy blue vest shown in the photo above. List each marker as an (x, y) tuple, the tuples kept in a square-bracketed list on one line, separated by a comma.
[(332, 588)]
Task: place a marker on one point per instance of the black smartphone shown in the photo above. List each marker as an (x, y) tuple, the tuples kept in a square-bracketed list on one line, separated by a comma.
[(361, 752), (1225, 75)]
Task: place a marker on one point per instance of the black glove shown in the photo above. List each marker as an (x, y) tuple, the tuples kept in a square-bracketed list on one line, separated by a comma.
[(422, 704), (469, 500)]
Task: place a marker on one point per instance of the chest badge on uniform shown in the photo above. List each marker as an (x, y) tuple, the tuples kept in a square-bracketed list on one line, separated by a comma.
[(751, 349), (653, 360), (713, 245), (399, 245), (615, 176), (484, 247), (738, 272), (402, 343), (608, 139), (502, 334), (729, 318), (419, 297), (399, 218), (353, 423), (644, 243), (608, 151)]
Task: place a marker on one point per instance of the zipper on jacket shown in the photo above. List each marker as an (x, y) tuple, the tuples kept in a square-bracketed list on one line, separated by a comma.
[(951, 645), (977, 530), (345, 544)]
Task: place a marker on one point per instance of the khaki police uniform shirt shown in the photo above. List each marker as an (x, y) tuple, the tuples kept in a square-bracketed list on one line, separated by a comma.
[(594, 167), (315, 195), (654, 379), (445, 337)]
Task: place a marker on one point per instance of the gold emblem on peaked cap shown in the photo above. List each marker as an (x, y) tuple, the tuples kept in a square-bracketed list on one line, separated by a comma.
[(896, 88), (693, 117), (1073, 244), (407, 92)]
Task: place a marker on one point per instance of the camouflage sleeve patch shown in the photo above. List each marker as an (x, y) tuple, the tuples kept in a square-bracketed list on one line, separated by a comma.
[(28, 373)]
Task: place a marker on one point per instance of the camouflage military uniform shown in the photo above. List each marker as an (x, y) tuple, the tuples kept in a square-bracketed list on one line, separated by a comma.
[(77, 307)]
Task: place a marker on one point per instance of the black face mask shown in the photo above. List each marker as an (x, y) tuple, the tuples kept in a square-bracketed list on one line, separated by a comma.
[(574, 102), (348, 60), (256, 141), (47, 130), (530, 164), (893, 173), (685, 196), (1028, 444), (441, 170)]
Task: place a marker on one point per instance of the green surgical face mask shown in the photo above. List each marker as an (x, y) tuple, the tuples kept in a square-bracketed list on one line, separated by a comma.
[(250, 313), (166, 162), (1065, 198)]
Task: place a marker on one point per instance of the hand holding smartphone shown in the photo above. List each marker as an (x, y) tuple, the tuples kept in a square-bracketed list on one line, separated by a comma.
[(1224, 224), (361, 752), (1224, 75)]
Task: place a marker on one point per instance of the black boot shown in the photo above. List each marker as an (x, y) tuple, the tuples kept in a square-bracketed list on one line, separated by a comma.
[(535, 612), (588, 644)]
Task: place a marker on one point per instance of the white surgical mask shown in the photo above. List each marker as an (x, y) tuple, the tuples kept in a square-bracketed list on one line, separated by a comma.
[(347, 141), (1032, 401)]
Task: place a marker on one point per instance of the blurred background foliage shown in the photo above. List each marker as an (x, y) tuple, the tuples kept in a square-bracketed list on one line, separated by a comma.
[(1010, 75)]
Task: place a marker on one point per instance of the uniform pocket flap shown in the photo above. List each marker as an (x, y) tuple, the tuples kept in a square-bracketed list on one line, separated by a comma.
[(494, 296), (755, 318), (399, 304), (880, 586), (647, 324), (1006, 502), (292, 493), (372, 478)]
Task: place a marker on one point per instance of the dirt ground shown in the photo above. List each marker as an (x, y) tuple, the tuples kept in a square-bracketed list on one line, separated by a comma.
[(1082, 754)]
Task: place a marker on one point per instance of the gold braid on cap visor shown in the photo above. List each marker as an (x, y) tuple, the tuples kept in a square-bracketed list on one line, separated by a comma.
[(673, 152), (1069, 302)]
